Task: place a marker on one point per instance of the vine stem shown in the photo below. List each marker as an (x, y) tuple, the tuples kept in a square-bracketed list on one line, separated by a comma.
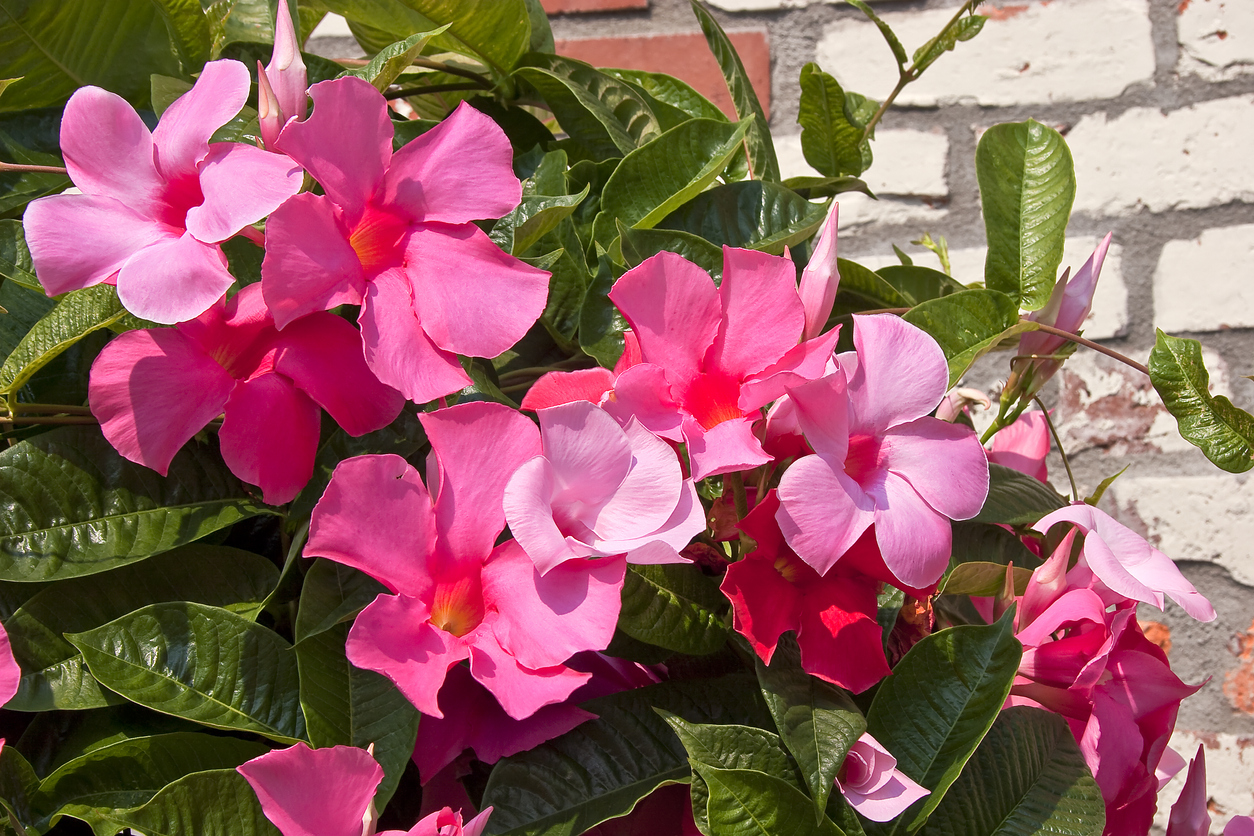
[(43, 169), (1098, 347), (429, 89), (1049, 422)]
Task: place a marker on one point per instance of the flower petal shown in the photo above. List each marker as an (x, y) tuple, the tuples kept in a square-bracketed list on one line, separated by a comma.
[(806, 361), (840, 639), (764, 605), (943, 462), (820, 279), (521, 691), (174, 280), (885, 391), (1023, 445), (589, 452), (10, 672), (647, 497), (152, 390), (822, 511), (723, 448), (309, 264), (822, 413), (913, 538), (555, 388), (642, 392), (529, 511), (108, 151), (314, 792), (241, 184), (182, 134), (269, 436), (762, 316)]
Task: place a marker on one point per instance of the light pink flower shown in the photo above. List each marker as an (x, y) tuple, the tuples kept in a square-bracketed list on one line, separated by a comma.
[(281, 84), (1024, 445), (598, 490), (958, 399), (316, 792), (820, 279), (713, 356), (155, 206), (872, 784), (456, 594), (1189, 816), (880, 459), (154, 389), (394, 234)]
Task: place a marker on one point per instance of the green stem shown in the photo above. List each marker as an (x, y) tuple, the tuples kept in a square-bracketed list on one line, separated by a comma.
[(483, 81), (1049, 422), (429, 89), (1098, 347)]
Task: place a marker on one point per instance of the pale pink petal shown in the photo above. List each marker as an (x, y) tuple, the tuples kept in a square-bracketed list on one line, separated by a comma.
[(1023, 445), (557, 388), (475, 826), (471, 297), (590, 455), (10, 673), (762, 316), (529, 511), (376, 516), (723, 448), (321, 354), (1169, 765), (642, 392), (674, 311), (349, 163), (820, 279), (174, 280), (646, 499), (241, 184), (182, 135), (890, 798), (822, 511), (152, 390), (885, 391), (521, 691), (662, 545), (943, 462), (270, 436), (804, 362), (393, 637), (650, 553), (914, 539), (398, 350), (105, 234), (286, 70), (468, 505), (314, 792), (461, 170), (309, 265), (822, 414), (544, 620), (108, 151)]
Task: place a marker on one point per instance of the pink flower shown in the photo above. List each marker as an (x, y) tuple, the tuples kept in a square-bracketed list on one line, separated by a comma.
[(957, 400), (1189, 816), (154, 389), (598, 490), (872, 784), (281, 85), (10, 672), (447, 822), (821, 279), (155, 206), (834, 615), (879, 459), (394, 234), (713, 356), (1024, 445), (316, 792), (456, 595), (1239, 826)]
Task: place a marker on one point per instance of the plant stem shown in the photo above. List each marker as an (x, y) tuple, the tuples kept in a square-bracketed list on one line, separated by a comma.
[(1049, 422), (44, 169), (1109, 352), (482, 80), (431, 88), (53, 408), (57, 420)]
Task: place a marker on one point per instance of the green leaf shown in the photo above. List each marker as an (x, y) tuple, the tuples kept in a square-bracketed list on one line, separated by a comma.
[(541, 32), (899, 52), (602, 768), (568, 285), (129, 773), (53, 674), (20, 308), (967, 325), (601, 324), (76, 315), (817, 721), (989, 543), (752, 214), (831, 139), (70, 505), (332, 593), (31, 137), (919, 283), (763, 164), (815, 187), (18, 782), (15, 261), (935, 707), (1015, 498), (964, 29), (200, 663), (870, 286), (979, 578), (218, 802), (1223, 432), (1027, 186), (670, 91), (391, 61), (673, 606), (188, 30), (345, 705), (744, 802), (538, 215), (59, 47), (640, 244), (1028, 776), (498, 31)]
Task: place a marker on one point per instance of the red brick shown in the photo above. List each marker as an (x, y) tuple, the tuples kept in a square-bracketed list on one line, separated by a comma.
[(685, 56), (1158, 633), (1239, 682), (557, 7)]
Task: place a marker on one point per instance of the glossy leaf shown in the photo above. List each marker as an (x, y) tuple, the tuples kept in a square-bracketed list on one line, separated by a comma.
[(498, 31), (640, 244), (601, 325), (899, 52), (815, 187), (1210, 422), (200, 663), (936, 706), (870, 286), (673, 606), (831, 138), (1028, 776), (218, 802), (71, 506), (919, 283), (332, 593), (744, 802), (76, 315), (967, 325), (391, 61), (23, 307), (189, 32), (31, 137), (974, 541), (980, 578), (752, 214), (15, 261), (538, 215), (670, 91), (18, 782), (964, 29), (1027, 186), (1015, 498)]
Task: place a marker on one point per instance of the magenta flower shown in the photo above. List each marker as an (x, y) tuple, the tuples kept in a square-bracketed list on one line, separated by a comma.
[(394, 234), (872, 784), (316, 792), (10, 672), (880, 459), (281, 85), (155, 206), (1024, 445), (713, 356), (772, 591), (1239, 826), (1189, 816), (154, 389), (447, 822), (456, 595), (598, 490)]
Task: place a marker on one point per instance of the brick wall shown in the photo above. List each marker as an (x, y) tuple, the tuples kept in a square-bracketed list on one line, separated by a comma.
[(1156, 98)]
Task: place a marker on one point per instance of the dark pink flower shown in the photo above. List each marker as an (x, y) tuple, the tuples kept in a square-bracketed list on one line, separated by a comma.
[(1189, 815), (154, 389), (10, 672), (872, 784), (394, 234), (154, 206), (446, 822)]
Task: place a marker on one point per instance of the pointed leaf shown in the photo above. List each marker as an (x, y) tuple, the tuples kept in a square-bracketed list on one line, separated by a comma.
[(899, 52), (751, 214), (15, 262), (673, 606), (670, 91), (330, 594), (79, 313), (22, 306), (641, 244), (498, 31), (964, 29), (831, 139), (538, 215), (218, 802), (870, 286), (392, 60), (980, 578), (967, 325), (989, 543), (1016, 498), (748, 803), (601, 324)]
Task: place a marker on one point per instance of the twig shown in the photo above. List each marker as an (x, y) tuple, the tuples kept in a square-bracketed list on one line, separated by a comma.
[(1049, 422), (43, 169), (1098, 347), (430, 88)]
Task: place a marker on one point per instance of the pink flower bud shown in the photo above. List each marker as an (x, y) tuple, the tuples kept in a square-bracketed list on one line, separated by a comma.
[(871, 783), (281, 87), (820, 278)]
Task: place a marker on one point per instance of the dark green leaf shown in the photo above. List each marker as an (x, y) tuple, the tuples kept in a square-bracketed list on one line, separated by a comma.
[(967, 325), (1015, 498), (76, 315), (673, 606), (391, 61), (935, 707), (871, 286), (189, 32), (987, 579), (816, 187), (753, 214), (15, 263), (218, 802), (831, 139), (601, 325), (541, 32), (70, 505), (964, 29), (744, 802), (20, 308), (640, 244), (1223, 432), (1027, 777), (974, 541), (538, 215), (201, 663), (568, 285), (919, 283), (670, 91), (1027, 186), (31, 137), (18, 782), (332, 593)]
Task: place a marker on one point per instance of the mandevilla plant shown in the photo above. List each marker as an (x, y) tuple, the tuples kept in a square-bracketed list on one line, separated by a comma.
[(470, 440)]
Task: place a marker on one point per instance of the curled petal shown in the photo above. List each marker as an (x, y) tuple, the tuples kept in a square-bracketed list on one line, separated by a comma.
[(286, 70), (174, 280), (1023, 445), (521, 691), (822, 511), (822, 414), (529, 511), (241, 184), (589, 452), (270, 436), (764, 605), (884, 791), (314, 792), (642, 392)]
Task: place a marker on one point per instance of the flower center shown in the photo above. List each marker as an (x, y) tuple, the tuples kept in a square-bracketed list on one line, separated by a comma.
[(713, 399), (458, 604), (863, 457), (377, 240)]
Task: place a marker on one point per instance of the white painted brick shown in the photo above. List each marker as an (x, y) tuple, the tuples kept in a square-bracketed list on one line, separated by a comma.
[(1216, 39), (1229, 775), (1065, 50), (332, 26), (1207, 283), (1190, 158)]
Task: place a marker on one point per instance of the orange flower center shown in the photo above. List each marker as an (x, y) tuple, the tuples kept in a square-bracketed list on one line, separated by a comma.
[(377, 240)]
